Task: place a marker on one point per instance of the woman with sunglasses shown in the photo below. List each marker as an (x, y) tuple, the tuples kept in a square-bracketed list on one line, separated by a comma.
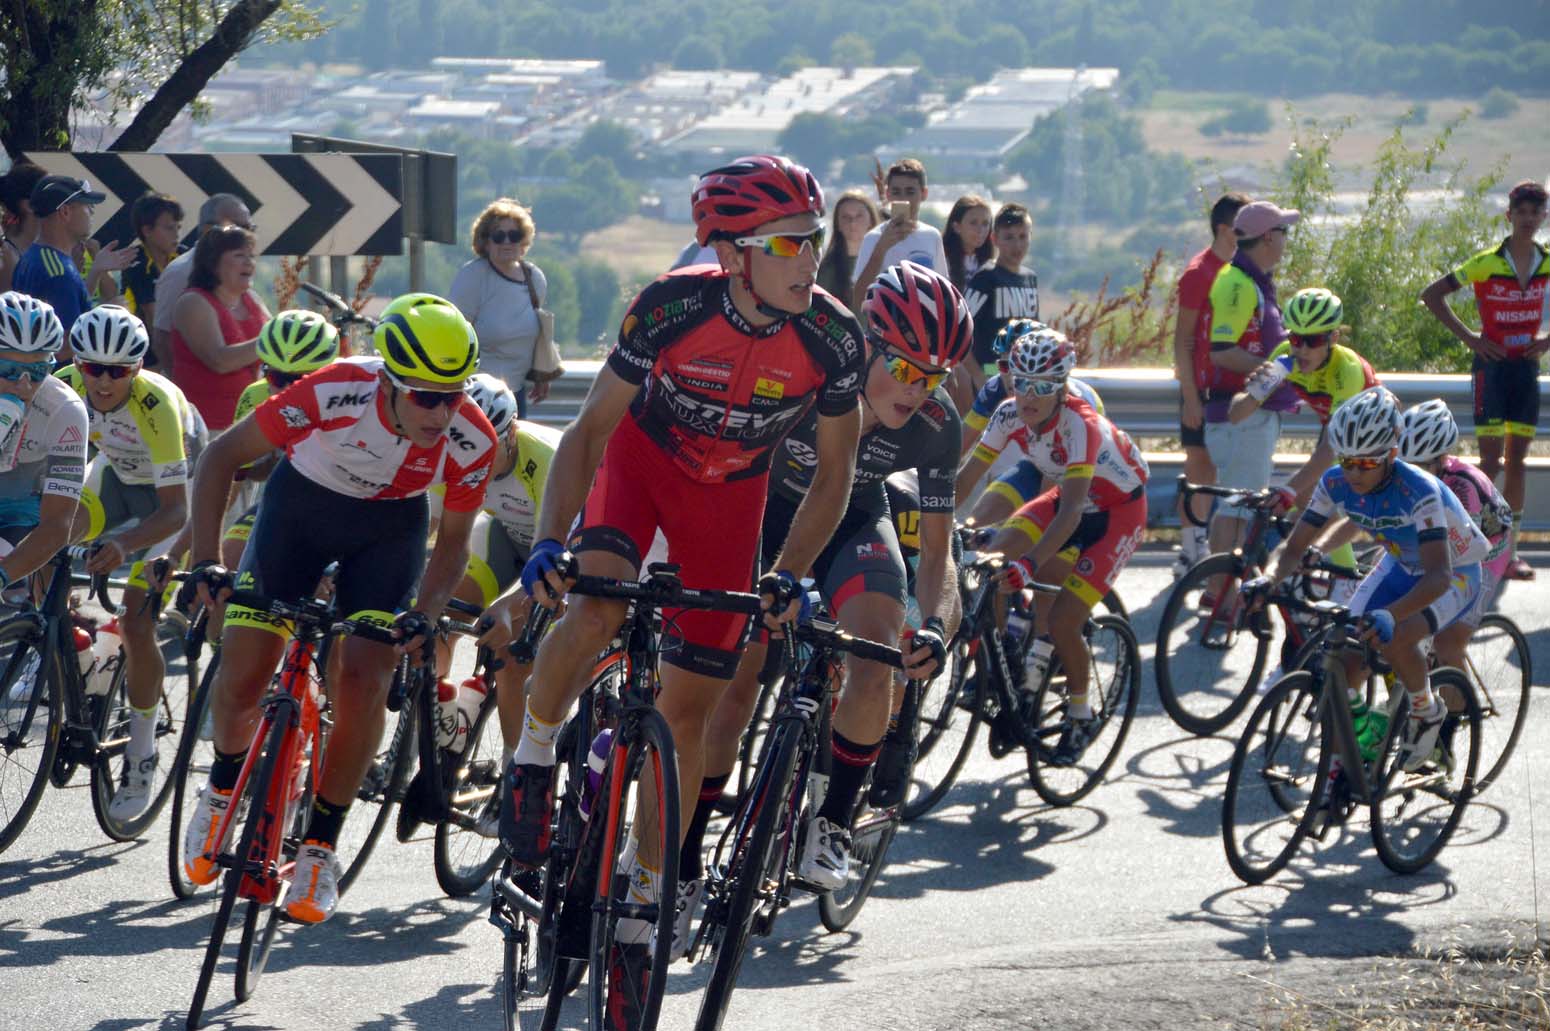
[(1079, 533), (1429, 575), (365, 440), (145, 436)]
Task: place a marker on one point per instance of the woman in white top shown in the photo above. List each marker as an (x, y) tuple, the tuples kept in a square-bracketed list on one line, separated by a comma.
[(497, 293)]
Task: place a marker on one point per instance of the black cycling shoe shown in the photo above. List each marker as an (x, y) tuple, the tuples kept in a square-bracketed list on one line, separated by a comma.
[(412, 809), (891, 771), (527, 812), (1074, 739)]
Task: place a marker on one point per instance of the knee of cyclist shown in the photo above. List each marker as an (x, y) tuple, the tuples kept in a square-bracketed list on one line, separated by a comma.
[(591, 622)]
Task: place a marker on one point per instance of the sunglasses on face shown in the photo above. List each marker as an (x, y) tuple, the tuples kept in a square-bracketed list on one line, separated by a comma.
[(1310, 340), (785, 245), (429, 399), (15, 372), (1362, 464), (907, 372), (98, 369), (506, 236), (1034, 385), (280, 380)]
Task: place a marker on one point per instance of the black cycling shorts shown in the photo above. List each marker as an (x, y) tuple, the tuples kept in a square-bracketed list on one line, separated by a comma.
[(1506, 397), (303, 526), (1191, 437), (862, 557)]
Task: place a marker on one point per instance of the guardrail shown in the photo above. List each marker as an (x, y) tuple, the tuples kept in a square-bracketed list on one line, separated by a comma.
[(1145, 402)]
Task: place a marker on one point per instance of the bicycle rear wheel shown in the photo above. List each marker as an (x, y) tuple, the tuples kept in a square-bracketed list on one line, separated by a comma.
[(948, 722), (1277, 775), (1414, 814), (467, 846), (632, 920), (31, 714), (1501, 670), (871, 832), (749, 747), (196, 751), (113, 728), (372, 810), (1114, 688), (1208, 661)]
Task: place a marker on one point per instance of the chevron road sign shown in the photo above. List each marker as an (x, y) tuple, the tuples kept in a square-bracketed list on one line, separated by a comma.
[(322, 204)]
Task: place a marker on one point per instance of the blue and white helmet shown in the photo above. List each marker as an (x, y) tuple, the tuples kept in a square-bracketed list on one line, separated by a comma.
[(28, 324)]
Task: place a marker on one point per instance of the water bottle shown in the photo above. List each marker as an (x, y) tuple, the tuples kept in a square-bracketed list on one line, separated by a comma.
[(1016, 627), (83, 652), (106, 656), (597, 761), (470, 696), (446, 713)]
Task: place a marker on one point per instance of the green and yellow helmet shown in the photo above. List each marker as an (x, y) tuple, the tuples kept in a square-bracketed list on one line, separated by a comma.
[(1312, 311), (298, 341), (425, 337)]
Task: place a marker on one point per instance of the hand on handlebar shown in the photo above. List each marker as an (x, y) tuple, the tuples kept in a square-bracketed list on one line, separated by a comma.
[(549, 573), (1016, 576), (925, 650), (1378, 627), (105, 556), (1283, 499), (415, 632), (210, 581), (1254, 591), (784, 599)]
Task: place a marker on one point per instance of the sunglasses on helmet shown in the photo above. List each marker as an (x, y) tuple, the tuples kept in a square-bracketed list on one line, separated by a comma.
[(785, 245)]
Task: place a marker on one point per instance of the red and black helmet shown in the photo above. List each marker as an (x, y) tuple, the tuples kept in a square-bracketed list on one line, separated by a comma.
[(917, 313), (736, 199)]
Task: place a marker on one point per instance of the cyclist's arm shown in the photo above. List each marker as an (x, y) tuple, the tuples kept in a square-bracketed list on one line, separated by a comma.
[(820, 511), (448, 560), (245, 442), (55, 514), (1305, 479), (580, 451), (1243, 405), (936, 579), (1437, 570), (1068, 514), (971, 472), (1297, 544)]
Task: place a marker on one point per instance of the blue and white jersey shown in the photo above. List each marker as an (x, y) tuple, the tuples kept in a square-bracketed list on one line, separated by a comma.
[(1412, 508)]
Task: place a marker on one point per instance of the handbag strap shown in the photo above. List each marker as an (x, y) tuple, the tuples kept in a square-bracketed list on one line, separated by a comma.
[(532, 292)]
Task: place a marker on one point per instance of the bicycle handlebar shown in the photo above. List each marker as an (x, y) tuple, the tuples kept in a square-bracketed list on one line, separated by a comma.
[(1258, 499), (314, 613), (340, 312)]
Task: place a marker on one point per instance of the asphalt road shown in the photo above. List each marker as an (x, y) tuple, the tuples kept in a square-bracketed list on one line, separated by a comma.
[(995, 912)]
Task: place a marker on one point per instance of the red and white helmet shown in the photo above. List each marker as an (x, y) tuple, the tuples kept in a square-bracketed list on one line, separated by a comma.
[(1042, 353), (919, 314), (736, 199)]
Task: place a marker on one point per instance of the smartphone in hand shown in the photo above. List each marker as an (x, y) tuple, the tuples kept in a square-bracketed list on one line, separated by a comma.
[(899, 210)]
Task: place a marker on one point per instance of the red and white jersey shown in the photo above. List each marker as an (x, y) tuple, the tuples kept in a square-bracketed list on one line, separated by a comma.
[(335, 426), (1076, 441)]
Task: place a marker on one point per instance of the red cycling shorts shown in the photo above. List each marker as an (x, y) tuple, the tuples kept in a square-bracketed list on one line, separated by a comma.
[(1099, 547), (712, 533)]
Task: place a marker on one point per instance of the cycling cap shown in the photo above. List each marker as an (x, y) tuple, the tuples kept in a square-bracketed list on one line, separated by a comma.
[(736, 199), (916, 313), (494, 399), (109, 334), (1312, 311), (28, 324), (425, 337), (298, 341), (1427, 431), (1365, 426)]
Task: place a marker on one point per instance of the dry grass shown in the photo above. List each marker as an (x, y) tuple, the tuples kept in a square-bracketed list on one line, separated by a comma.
[(638, 249), (1457, 989)]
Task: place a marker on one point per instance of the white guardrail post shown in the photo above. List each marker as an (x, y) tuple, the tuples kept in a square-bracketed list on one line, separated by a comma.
[(1145, 402)]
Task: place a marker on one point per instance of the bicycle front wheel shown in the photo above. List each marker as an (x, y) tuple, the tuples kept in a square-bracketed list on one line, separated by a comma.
[(1278, 771), (1501, 670), (632, 920), (467, 848), (382, 788), (191, 767), (871, 833), (949, 720), (113, 731), (1113, 690), (1414, 813), (31, 712), (1208, 660)]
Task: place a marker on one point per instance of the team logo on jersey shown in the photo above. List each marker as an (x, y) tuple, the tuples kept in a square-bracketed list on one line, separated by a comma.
[(294, 417), (872, 551), (630, 322), (71, 435), (1085, 566), (475, 477), (770, 388), (804, 454)]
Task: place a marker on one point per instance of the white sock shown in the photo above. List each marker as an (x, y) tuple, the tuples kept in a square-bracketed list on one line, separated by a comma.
[(645, 887), (537, 745), (1512, 535), (142, 734), (1195, 543), (1079, 710)]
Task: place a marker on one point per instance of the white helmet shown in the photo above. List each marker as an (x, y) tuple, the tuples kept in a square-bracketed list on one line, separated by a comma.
[(109, 334), (1427, 431), (494, 399), (1365, 426), (1042, 353), (28, 324)]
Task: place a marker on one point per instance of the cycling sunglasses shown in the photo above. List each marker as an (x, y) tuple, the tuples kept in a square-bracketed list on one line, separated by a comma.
[(429, 399), (907, 372), (507, 236), (785, 245), (1308, 340), (1035, 385), (98, 369), (279, 380), (1363, 464), (15, 372)]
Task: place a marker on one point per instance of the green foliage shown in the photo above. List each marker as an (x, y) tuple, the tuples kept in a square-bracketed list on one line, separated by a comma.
[(1498, 104), (606, 139), (696, 53), (852, 50), (1247, 116), (818, 140)]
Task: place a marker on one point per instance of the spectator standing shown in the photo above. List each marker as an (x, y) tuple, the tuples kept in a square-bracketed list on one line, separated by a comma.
[(966, 240), (219, 209), (63, 206), (1511, 281), (853, 217), (215, 325), (903, 237), (1245, 328), (1192, 363), (157, 220), (499, 292), (694, 254), (997, 294), (20, 225)]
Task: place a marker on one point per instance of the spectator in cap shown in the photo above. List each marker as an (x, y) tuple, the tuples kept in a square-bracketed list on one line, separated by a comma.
[(220, 209), (1245, 328), (63, 206), (20, 225)]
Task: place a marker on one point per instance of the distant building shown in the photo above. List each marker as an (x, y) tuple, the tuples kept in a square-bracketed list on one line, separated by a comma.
[(669, 103)]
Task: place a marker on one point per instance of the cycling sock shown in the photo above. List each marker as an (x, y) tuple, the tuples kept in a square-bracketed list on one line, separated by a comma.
[(225, 770), (851, 762), (1037, 662), (324, 823), (142, 733), (645, 888), (537, 745), (691, 864)]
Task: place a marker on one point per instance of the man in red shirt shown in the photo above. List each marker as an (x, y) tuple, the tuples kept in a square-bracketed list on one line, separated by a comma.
[(1191, 361)]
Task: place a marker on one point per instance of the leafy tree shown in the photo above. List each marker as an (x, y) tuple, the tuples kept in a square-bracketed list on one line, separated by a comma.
[(697, 53), (816, 139), (606, 139), (1498, 104), (851, 50), (1245, 117), (598, 298)]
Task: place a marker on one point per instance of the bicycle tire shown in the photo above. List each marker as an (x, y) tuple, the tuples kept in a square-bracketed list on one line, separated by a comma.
[(749, 745), (960, 706), (195, 752), (257, 788), (644, 731), (1401, 848), (112, 724), (872, 832), (1119, 699), (749, 872), (255, 942), (382, 789), (1202, 694), (1267, 755), (464, 861), (1500, 699), (21, 733)]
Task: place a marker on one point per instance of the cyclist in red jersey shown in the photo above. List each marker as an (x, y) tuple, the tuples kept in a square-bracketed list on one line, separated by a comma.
[(366, 438), (712, 368)]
